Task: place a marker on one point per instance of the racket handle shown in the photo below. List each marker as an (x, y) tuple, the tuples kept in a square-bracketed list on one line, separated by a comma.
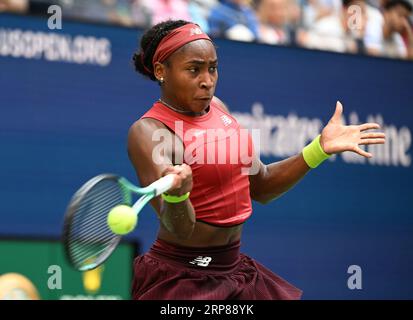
[(163, 184)]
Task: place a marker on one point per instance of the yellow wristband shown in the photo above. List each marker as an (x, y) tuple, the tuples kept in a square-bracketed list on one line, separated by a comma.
[(175, 199), (313, 154)]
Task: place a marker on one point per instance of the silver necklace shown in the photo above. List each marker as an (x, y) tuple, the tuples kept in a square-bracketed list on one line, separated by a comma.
[(186, 112)]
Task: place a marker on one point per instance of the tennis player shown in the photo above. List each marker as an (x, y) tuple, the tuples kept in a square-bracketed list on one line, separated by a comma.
[(197, 251)]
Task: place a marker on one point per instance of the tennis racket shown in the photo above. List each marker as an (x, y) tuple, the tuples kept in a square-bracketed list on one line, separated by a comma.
[(87, 238)]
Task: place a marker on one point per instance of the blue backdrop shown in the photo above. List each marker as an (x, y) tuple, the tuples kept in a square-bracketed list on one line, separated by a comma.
[(64, 121)]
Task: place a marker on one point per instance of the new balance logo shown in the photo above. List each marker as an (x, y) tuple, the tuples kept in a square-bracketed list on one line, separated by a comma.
[(201, 261), (226, 120), (195, 31)]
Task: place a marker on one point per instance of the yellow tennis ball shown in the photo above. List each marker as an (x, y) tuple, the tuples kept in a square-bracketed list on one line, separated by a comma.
[(122, 219)]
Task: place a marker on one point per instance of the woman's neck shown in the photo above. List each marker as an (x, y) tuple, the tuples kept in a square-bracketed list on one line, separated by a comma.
[(182, 110)]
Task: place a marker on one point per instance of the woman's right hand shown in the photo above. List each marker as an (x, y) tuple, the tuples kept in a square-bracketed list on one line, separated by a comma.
[(183, 179)]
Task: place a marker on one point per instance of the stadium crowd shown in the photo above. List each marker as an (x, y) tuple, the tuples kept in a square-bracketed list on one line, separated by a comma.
[(374, 27)]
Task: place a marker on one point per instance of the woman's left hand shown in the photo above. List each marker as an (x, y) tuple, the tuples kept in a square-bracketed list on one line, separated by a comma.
[(336, 137)]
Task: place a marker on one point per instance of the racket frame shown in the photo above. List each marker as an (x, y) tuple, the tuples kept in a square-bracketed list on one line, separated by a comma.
[(148, 193)]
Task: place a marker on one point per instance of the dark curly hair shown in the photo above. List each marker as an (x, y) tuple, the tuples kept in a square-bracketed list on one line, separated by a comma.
[(142, 59)]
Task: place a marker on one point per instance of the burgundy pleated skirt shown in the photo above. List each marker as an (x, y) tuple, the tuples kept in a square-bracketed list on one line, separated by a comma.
[(170, 272)]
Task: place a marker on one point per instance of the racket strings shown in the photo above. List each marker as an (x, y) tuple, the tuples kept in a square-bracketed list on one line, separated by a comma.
[(90, 237)]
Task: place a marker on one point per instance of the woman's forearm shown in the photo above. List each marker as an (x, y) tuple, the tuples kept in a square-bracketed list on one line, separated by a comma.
[(178, 218), (278, 177)]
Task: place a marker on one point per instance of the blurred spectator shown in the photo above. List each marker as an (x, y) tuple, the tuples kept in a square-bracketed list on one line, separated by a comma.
[(273, 21), (141, 15), (397, 30), (108, 11), (118, 11), (374, 30), (374, 27), (375, 3), (161, 10), (341, 33), (294, 14), (361, 34), (20, 6), (233, 19), (199, 11), (315, 10), (278, 20)]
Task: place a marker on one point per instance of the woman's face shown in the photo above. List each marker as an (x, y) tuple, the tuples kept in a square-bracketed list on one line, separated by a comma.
[(190, 76)]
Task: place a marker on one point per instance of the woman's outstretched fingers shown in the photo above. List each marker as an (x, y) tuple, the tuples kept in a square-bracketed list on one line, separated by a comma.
[(363, 153), (372, 141), (373, 135), (368, 126)]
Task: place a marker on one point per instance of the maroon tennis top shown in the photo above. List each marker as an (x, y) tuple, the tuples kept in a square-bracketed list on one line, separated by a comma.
[(219, 153)]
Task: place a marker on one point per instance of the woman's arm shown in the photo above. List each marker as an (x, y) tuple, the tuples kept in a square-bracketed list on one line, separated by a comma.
[(151, 163), (274, 179)]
